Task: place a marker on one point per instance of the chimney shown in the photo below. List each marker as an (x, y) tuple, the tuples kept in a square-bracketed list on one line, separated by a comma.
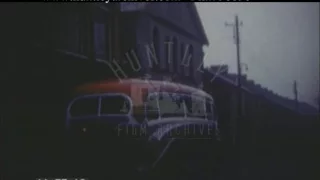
[(250, 82), (243, 77), (224, 69), (259, 86), (220, 69)]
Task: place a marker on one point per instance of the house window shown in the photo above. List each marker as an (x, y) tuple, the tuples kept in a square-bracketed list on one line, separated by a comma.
[(200, 67), (155, 43), (100, 40), (168, 53), (100, 30), (71, 34), (182, 57), (175, 54), (190, 61)]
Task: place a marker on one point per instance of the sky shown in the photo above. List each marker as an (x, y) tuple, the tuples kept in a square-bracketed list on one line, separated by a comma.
[(279, 43)]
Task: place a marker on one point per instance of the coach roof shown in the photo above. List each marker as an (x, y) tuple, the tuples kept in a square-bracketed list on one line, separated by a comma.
[(125, 86)]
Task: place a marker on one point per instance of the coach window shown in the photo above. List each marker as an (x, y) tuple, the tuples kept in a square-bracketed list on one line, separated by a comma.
[(188, 102), (196, 107), (114, 105), (85, 107), (171, 105), (209, 110), (152, 107)]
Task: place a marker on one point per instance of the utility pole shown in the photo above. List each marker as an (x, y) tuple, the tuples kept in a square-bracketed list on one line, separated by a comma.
[(318, 101), (236, 37), (295, 91)]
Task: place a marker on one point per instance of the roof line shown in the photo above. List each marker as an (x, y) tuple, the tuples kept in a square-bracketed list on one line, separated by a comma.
[(233, 83), (198, 22), (256, 93)]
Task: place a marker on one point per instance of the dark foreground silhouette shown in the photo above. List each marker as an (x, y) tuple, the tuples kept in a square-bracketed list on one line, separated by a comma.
[(287, 152)]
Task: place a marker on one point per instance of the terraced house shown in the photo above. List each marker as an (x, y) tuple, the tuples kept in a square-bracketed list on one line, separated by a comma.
[(50, 48), (57, 46), (167, 39)]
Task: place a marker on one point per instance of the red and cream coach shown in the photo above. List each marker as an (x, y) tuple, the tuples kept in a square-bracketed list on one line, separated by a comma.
[(167, 115), (136, 101)]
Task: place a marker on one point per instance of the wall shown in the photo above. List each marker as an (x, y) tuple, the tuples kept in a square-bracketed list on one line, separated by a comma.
[(144, 31)]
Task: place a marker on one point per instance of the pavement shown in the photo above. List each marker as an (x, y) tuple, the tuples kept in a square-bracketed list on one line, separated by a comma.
[(277, 155)]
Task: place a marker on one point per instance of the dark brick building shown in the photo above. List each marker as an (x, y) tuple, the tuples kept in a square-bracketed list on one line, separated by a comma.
[(176, 32), (50, 48), (47, 50), (263, 111)]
